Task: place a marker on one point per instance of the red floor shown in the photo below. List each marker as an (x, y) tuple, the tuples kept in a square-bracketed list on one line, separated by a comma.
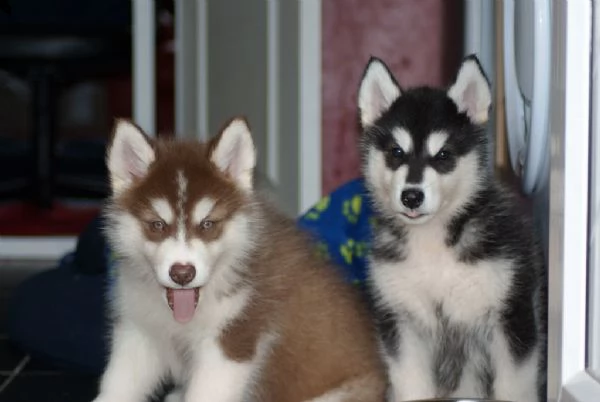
[(22, 219)]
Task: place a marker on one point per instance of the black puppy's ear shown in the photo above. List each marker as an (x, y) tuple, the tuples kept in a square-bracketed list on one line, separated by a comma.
[(471, 91), (378, 90)]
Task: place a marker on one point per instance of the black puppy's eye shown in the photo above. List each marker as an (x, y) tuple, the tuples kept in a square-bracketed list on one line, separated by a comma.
[(397, 152), (442, 155)]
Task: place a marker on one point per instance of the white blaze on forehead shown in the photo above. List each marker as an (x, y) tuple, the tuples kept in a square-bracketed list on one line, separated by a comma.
[(202, 209), (163, 209), (181, 200), (436, 141), (403, 139)]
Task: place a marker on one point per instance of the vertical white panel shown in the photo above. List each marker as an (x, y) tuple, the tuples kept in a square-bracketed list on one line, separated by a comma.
[(310, 103), (273, 91), (144, 65), (480, 32), (574, 262), (569, 129), (473, 33), (594, 262), (202, 69), (480, 40)]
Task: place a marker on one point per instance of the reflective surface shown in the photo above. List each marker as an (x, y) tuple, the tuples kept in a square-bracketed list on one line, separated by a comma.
[(458, 400)]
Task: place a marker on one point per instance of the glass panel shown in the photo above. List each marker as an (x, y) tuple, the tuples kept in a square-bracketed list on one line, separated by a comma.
[(593, 293)]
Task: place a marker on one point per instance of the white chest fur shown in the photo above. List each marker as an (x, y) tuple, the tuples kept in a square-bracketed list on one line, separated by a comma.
[(432, 276)]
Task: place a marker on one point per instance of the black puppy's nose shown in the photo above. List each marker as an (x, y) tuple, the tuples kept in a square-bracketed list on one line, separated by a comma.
[(182, 274), (412, 198)]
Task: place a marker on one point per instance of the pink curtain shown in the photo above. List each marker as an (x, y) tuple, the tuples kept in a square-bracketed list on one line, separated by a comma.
[(420, 40)]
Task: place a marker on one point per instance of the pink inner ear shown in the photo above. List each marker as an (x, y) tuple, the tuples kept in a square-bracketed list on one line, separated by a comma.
[(469, 99), (233, 163), (136, 167), (379, 101)]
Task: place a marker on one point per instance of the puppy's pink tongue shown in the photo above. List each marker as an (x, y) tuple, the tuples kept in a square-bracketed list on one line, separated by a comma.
[(184, 304)]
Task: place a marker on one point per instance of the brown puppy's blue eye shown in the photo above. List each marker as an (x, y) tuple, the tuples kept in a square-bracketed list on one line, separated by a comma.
[(206, 224), (157, 226)]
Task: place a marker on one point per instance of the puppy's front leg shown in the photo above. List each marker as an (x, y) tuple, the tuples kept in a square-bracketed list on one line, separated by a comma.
[(410, 368), (514, 381), (217, 378), (134, 368)]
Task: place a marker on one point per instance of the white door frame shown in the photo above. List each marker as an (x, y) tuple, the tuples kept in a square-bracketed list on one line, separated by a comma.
[(568, 379)]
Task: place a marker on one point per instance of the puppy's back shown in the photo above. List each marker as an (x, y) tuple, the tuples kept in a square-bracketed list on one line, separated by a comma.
[(324, 337)]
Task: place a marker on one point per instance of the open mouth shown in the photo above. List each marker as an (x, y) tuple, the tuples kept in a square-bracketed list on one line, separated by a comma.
[(183, 303)]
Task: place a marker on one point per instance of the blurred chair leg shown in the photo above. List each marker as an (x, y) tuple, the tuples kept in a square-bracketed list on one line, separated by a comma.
[(44, 108)]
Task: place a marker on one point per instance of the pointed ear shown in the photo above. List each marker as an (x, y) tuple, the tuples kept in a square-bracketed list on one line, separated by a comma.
[(129, 155), (378, 90), (234, 154), (471, 91)]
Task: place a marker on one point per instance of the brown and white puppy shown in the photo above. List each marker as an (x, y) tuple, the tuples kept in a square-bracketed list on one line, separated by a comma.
[(218, 291)]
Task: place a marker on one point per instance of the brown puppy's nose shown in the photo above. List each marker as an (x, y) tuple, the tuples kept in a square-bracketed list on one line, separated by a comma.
[(182, 274)]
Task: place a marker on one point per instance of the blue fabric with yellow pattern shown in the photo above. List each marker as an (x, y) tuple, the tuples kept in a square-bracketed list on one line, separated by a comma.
[(341, 224)]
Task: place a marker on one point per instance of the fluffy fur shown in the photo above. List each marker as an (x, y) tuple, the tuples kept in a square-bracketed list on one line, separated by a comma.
[(269, 320), (456, 275)]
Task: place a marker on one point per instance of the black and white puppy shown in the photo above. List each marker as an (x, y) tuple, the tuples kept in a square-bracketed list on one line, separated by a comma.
[(456, 274)]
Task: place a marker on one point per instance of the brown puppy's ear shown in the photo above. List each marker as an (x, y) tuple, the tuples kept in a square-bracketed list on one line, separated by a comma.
[(129, 155), (233, 152)]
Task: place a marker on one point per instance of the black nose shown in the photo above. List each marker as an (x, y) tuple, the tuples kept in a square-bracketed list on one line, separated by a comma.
[(412, 198), (182, 274)]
